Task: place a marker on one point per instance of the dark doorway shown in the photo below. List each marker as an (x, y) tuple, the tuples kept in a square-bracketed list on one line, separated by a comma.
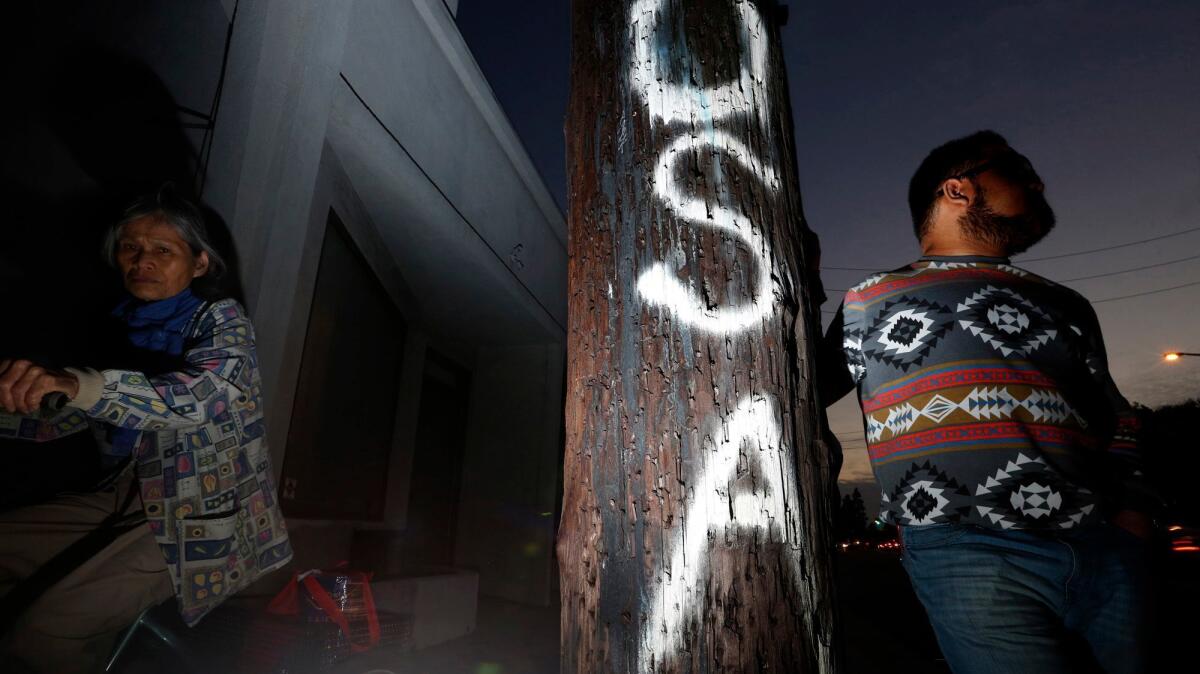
[(437, 464), (343, 419)]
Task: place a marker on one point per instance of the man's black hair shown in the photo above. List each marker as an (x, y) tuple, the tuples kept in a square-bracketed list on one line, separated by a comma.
[(946, 161)]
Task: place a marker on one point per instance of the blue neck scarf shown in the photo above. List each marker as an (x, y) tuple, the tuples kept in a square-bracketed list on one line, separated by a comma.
[(159, 325)]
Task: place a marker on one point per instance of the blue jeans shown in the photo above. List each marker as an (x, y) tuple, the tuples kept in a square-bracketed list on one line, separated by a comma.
[(1005, 602)]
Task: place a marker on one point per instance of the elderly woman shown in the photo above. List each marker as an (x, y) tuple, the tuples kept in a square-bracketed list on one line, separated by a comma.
[(188, 506)]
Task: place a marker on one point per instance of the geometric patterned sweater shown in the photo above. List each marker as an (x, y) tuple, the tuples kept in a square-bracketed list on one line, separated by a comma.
[(201, 457), (986, 398)]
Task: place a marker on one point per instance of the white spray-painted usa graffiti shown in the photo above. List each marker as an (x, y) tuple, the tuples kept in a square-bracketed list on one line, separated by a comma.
[(659, 284), (671, 102), (713, 505)]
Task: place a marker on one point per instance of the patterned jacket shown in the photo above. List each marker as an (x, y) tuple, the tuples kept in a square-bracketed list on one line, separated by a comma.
[(202, 460)]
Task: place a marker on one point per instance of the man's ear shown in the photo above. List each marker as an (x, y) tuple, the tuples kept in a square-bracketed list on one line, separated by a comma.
[(958, 191), (201, 265)]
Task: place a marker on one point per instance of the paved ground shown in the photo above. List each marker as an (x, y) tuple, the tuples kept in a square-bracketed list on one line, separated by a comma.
[(509, 639), (516, 639), (883, 623)]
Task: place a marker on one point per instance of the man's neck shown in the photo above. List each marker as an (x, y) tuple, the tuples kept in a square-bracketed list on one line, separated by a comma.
[(957, 246), (961, 251)]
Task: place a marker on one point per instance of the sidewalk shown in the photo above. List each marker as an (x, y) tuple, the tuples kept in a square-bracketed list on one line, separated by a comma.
[(883, 624), (509, 638)]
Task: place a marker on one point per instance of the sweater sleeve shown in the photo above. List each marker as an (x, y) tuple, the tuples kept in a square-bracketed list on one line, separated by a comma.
[(219, 362), (835, 377), (35, 429), (853, 320), (1125, 449)]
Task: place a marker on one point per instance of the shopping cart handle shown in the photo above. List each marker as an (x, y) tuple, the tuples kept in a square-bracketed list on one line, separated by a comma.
[(53, 402)]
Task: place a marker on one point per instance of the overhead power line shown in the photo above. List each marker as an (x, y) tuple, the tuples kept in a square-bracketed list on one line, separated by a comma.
[(1106, 299), (1120, 245), (1148, 292), (1094, 276), (875, 269), (1051, 257), (1126, 271), (206, 142)]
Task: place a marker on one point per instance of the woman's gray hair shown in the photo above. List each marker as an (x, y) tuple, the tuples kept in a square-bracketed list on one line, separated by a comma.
[(183, 215)]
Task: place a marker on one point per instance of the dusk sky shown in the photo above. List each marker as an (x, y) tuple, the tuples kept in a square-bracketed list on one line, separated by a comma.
[(1104, 97)]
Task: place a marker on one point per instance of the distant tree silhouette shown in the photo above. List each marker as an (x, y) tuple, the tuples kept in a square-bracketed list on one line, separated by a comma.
[(852, 517), (1172, 452)]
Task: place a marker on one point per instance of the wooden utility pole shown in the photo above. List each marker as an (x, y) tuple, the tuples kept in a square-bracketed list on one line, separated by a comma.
[(698, 510)]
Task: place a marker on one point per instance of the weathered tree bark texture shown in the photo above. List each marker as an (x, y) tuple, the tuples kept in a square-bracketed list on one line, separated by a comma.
[(697, 520)]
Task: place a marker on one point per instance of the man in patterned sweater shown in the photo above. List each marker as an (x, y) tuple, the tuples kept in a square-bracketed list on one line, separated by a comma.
[(1003, 449)]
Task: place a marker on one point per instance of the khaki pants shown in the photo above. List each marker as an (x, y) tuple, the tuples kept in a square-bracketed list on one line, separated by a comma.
[(73, 625)]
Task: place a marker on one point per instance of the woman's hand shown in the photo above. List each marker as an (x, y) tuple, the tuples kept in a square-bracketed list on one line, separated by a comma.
[(23, 383)]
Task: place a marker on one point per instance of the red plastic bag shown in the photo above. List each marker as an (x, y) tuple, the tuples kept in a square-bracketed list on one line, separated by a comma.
[(309, 586)]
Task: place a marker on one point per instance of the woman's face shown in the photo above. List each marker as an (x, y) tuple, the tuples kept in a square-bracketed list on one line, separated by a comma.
[(155, 262)]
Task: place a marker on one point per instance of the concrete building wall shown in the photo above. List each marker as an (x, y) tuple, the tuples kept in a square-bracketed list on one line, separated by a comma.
[(268, 141), (322, 542), (410, 66), (449, 100), (377, 110), (411, 73), (509, 511)]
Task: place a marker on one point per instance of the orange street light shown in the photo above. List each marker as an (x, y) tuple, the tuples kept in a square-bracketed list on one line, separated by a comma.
[(1172, 356)]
